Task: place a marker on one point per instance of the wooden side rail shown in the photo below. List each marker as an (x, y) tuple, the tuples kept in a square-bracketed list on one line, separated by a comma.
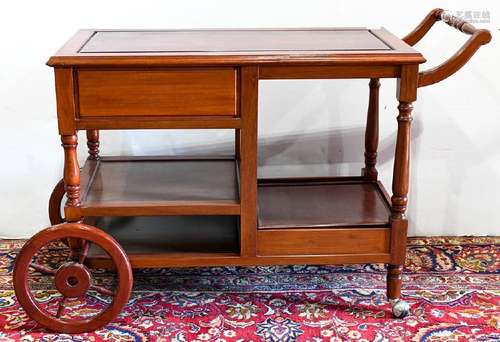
[(478, 38)]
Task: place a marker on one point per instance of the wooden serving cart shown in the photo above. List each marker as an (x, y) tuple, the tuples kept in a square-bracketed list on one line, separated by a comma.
[(139, 212)]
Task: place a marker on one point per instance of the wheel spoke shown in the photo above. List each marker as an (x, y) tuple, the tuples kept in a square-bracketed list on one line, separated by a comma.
[(84, 251), (43, 269), (61, 307), (102, 290)]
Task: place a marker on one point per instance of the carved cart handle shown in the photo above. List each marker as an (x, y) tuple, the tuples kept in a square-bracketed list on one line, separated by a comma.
[(478, 38)]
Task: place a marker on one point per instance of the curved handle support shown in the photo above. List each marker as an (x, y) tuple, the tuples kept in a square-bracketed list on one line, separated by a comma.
[(478, 38)]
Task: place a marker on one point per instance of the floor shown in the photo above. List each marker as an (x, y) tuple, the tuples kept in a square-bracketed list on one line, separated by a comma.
[(452, 285)]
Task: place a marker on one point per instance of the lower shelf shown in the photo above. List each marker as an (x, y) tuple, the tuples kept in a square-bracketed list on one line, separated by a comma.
[(322, 202), (153, 239), (300, 221), (322, 216)]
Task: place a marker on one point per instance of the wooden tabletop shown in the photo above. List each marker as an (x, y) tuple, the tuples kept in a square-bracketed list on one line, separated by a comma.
[(235, 47)]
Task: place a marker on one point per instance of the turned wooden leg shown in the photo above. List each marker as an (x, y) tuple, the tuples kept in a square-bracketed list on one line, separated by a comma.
[(93, 143), (401, 176), (71, 184), (399, 200), (394, 273), (237, 143), (71, 171), (407, 93), (371, 133)]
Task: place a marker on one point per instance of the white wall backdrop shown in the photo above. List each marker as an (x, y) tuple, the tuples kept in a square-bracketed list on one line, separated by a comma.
[(306, 127)]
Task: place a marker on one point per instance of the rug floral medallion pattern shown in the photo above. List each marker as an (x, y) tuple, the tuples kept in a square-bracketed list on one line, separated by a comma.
[(452, 285)]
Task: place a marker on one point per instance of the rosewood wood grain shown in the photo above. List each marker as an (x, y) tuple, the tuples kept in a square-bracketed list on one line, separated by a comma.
[(183, 259), (71, 279), (179, 92), (248, 165), (65, 95), (402, 162), (394, 281), (208, 241), (312, 180), (93, 143), (230, 40), (237, 142), (55, 203), (71, 173), (371, 132), (158, 122), (344, 46), (323, 241), (129, 186), (406, 93), (195, 212), (478, 38), (328, 72), (316, 204)]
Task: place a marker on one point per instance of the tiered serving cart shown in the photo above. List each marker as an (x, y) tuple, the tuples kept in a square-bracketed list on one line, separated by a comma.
[(139, 212)]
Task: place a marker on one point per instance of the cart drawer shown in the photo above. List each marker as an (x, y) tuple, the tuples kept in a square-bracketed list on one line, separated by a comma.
[(104, 93), (323, 241)]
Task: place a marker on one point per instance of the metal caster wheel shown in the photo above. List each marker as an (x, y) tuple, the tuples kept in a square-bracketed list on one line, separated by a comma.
[(400, 308)]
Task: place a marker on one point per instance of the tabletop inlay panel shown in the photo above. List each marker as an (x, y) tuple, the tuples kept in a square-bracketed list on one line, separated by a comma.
[(233, 41)]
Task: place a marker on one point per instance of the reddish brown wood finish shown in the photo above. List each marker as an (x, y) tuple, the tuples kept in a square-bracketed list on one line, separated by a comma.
[(71, 279), (157, 122), (71, 173), (55, 203), (128, 186), (93, 143), (330, 72), (111, 80), (178, 92), (371, 132), (478, 38), (248, 159), (230, 40), (394, 281), (260, 47), (321, 203), (323, 241), (407, 93)]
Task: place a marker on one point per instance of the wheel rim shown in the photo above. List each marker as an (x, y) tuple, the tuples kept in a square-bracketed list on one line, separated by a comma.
[(55, 201), (63, 278)]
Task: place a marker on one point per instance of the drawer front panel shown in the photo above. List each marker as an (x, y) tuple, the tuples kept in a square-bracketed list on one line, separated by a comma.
[(323, 241), (178, 92)]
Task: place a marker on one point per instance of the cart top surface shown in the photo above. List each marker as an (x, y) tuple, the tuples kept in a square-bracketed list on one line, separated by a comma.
[(235, 46)]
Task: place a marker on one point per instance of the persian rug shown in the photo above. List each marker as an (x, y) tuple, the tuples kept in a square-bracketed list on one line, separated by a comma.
[(452, 285)]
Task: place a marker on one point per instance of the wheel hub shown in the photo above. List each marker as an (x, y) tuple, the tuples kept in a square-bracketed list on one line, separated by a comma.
[(73, 279)]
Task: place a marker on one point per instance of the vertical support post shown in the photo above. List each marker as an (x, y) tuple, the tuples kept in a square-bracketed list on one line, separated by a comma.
[(371, 134), (93, 143), (71, 185), (407, 93), (249, 76), (237, 143), (71, 172)]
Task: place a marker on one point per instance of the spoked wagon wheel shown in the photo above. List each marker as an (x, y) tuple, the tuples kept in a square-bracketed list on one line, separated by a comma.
[(55, 202), (72, 280)]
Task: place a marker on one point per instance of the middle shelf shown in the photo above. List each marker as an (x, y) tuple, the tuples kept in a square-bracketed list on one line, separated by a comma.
[(141, 186), (159, 186)]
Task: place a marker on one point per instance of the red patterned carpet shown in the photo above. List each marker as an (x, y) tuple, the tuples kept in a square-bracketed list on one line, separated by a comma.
[(452, 284)]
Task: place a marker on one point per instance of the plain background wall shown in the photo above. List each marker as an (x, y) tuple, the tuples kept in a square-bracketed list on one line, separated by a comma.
[(306, 127)]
